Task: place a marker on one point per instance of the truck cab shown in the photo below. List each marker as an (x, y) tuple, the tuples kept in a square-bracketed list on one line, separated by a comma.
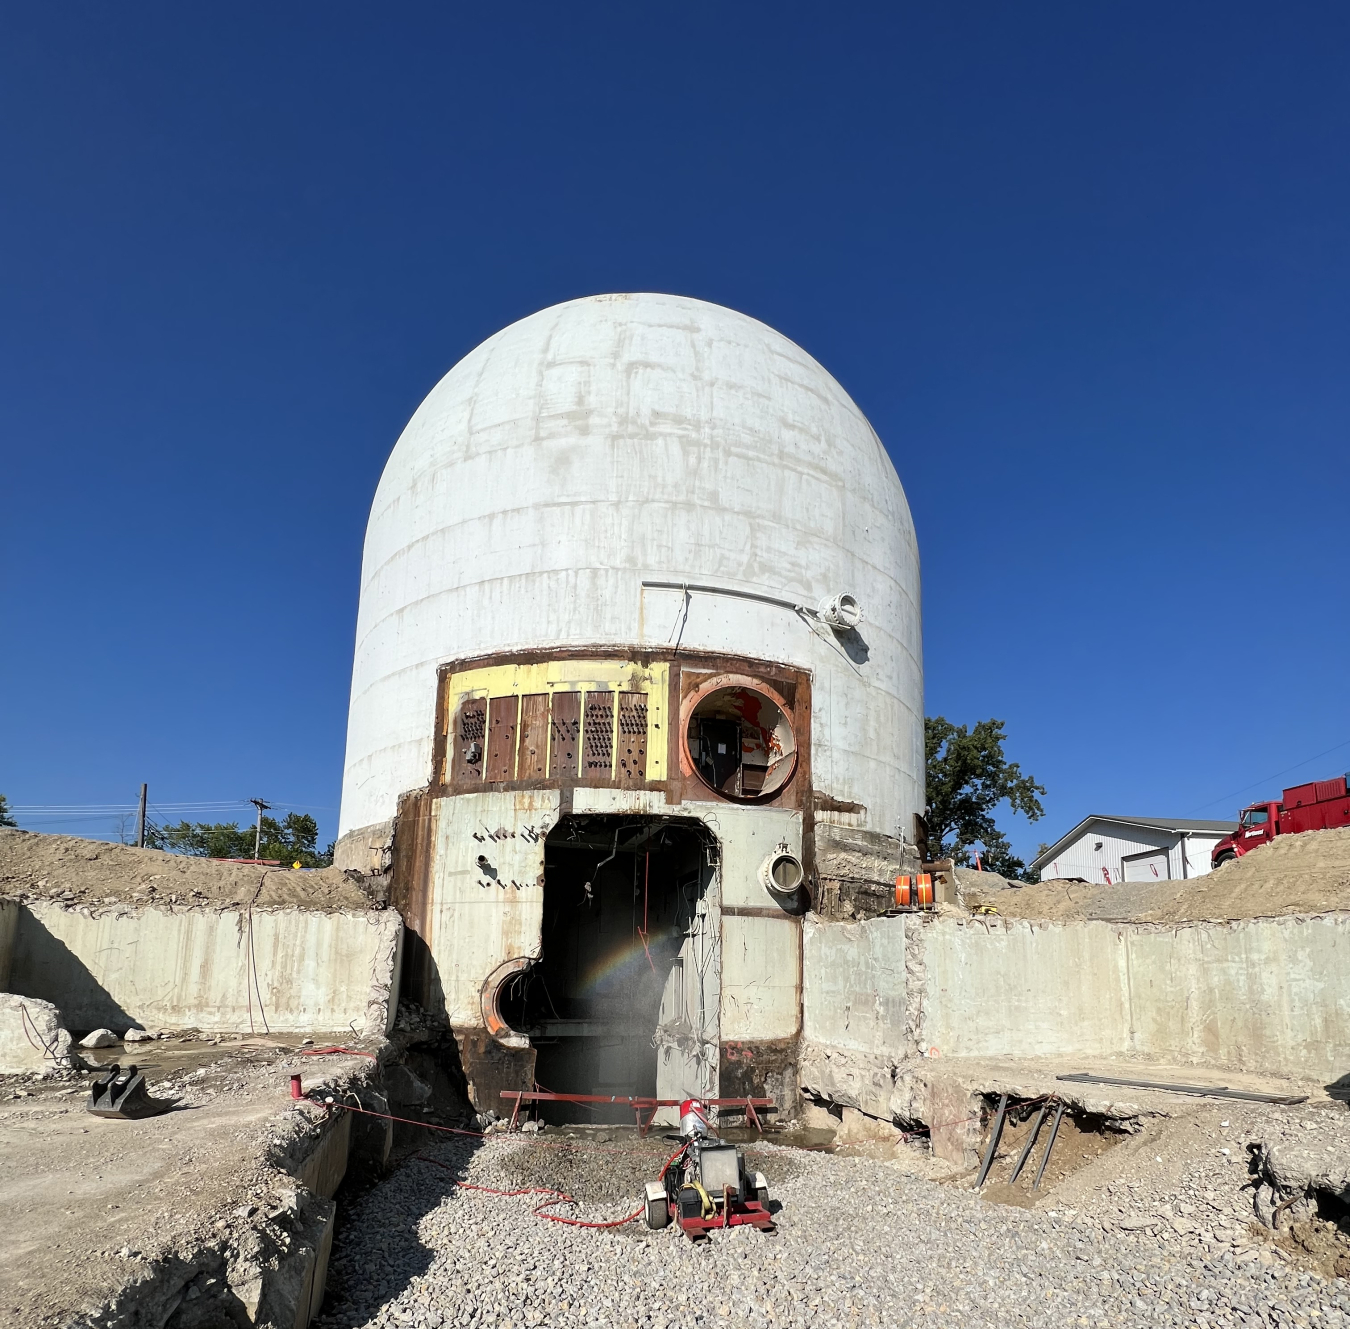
[(1321, 805), (1257, 825)]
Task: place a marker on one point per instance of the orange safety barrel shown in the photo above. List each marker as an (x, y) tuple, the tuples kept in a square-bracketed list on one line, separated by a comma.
[(925, 891), (904, 893)]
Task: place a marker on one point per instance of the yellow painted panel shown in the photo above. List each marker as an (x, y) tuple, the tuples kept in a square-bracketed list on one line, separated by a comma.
[(575, 676)]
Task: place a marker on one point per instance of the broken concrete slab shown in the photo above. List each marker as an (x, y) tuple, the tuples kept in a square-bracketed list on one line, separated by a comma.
[(32, 1037)]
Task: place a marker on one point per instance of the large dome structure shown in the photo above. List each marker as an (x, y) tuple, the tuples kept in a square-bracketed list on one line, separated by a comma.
[(623, 438), (637, 685)]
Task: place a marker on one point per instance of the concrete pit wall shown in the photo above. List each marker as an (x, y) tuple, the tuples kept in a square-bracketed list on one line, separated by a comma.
[(9, 926), (160, 968), (1265, 995)]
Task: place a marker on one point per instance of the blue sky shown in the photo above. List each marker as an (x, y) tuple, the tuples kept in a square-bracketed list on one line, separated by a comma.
[(1084, 267)]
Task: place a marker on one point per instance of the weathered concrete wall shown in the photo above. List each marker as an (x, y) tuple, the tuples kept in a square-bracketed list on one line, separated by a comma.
[(854, 985), (9, 926), (1261, 994), (1268, 995), (313, 970), (31, 1036)]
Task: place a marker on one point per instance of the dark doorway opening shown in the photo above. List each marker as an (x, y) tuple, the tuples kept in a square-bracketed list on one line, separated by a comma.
[(623, 998)]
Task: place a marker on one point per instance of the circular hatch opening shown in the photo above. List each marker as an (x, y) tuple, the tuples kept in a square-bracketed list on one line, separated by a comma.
[(740, 743)]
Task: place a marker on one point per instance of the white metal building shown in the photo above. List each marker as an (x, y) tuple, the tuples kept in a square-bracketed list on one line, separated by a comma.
[(1103, 849), (609, 718)]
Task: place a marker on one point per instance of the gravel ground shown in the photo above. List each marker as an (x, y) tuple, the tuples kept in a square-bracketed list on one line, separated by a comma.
[(858, 1242)]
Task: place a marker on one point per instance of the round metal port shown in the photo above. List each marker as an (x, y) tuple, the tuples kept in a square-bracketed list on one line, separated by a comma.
[(740, 743), (782, 873)]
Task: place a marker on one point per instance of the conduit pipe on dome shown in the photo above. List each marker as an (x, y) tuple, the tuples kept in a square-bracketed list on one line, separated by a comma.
[(840, 612)]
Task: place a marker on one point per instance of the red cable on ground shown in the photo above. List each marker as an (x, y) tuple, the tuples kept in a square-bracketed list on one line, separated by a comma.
[(557, 1197), (323, 1052)]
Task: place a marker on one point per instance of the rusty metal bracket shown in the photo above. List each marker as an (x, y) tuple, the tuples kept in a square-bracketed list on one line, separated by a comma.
[(1199, 1090), (994, 1136)]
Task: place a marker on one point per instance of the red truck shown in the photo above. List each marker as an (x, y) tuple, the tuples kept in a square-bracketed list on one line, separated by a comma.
[(1319, 806)]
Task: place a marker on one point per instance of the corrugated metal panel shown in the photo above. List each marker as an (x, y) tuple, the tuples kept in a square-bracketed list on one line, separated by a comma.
[(632, 763), (532, 762), (564, 736), (503, 719)]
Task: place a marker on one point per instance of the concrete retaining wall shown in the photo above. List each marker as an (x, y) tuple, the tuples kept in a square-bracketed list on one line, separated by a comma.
[(1263, 995), (1267, 995), (315, 971)]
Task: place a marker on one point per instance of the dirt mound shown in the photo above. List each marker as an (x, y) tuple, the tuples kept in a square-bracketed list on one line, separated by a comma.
[(1294, 874), (68, 870)]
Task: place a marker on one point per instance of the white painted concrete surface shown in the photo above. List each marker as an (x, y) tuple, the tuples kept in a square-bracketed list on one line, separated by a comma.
[(315, 971), (628, 437)]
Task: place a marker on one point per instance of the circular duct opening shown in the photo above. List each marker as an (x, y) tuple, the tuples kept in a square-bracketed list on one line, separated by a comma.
[(740, 743), (783, 873), (841, 612)]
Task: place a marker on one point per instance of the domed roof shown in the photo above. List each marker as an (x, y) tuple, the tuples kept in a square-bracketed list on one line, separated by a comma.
[(595, 445)]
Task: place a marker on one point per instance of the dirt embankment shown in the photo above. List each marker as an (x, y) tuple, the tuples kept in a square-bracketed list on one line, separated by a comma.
[(68, 870), (1294, 874)]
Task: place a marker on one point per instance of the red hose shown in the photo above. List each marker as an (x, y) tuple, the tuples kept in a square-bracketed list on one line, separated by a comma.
[(557, 1197)]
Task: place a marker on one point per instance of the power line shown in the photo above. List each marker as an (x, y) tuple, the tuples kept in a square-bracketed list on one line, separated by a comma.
[(1255, 784)]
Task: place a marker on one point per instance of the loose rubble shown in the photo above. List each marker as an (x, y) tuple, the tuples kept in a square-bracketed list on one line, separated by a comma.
[(859, 1242)]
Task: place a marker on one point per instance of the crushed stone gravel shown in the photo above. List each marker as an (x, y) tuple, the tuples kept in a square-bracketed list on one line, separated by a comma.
[(858, 1243)]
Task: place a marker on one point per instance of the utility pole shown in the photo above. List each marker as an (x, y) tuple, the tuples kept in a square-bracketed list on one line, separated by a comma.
[(257, 839), (140, 819)]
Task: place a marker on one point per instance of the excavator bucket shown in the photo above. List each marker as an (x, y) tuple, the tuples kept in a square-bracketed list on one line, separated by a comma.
[(120, 1093)]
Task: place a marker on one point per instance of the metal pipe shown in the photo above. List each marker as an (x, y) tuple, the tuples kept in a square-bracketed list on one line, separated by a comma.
[(727, 590), (1030, 1144), (1049, 1145), (994, 1137)]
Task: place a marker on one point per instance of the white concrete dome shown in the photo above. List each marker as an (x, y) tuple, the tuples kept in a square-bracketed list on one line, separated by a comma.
[(623, 438)]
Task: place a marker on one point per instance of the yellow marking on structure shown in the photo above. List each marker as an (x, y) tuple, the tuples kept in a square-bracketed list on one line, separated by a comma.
[(572, 676)]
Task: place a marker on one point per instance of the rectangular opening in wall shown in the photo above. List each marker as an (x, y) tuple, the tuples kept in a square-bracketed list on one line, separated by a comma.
[(624, 997)]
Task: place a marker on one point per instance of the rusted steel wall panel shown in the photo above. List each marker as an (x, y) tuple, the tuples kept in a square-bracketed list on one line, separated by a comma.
[(532, 763), (632, 763), (503, 719), (411, 893), (468, 734), (564, 736), (598, 736)]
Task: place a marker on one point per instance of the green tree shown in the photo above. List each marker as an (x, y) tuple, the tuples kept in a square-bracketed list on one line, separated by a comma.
[(6, 816), (294, 839), (968, 776)]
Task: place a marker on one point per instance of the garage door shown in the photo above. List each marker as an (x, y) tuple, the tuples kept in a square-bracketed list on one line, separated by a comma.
[(1148, 866)]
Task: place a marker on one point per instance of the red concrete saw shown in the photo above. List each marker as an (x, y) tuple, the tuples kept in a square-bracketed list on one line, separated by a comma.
[(706, 1185)]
